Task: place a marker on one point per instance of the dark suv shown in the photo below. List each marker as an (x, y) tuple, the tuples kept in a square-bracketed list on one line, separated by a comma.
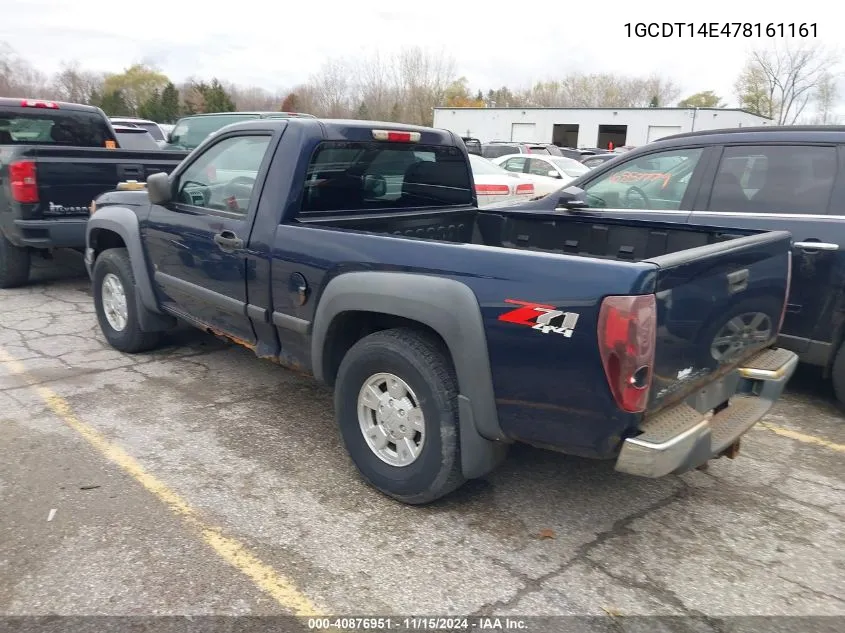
[(774, 178)]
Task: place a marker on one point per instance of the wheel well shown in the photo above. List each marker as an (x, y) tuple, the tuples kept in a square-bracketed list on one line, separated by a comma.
[(348, 328), (104, 239)]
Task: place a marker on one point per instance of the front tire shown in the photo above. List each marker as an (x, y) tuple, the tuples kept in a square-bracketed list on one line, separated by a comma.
[(115, 304), (837, 375), (396, 405), (14, 264)]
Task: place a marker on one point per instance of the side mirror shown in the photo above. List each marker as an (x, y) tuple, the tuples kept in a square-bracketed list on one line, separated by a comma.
[(552, 173), (168, 137), (572, 198), (159, 189)]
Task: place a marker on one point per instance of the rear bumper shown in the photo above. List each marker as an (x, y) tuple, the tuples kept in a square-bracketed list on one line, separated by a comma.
[(53, 233), (681, 438)]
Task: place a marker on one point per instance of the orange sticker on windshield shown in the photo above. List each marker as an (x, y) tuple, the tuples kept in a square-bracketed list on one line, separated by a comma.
[(627, 177), (111, 145)]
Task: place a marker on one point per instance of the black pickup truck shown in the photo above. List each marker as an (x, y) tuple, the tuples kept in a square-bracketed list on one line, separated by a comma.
[(54, 159), (355, 250)]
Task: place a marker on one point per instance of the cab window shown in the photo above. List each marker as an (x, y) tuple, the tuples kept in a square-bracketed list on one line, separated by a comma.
[(222, 178), (655, 181)]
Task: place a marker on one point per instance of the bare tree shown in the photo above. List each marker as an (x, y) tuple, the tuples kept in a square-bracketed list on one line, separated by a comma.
[(18, 78), (782, 82), (826, 99), (333, 89), (73, 84), (377, 89), (254, 98), (424, 78)]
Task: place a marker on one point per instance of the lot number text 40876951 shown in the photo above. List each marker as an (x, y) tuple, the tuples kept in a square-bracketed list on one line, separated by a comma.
[(721, 29)]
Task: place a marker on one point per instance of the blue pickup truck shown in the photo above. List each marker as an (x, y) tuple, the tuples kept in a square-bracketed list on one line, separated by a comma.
[(355, 251)]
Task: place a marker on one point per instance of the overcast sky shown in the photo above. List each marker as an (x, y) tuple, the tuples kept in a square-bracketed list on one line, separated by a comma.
[(277, 44)]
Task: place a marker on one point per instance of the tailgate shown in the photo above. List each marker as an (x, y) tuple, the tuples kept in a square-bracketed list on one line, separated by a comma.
[(69, 178), (716, 306)]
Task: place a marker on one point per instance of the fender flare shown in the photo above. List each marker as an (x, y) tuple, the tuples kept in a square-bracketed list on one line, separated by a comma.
[(124, 222), (451, 309)]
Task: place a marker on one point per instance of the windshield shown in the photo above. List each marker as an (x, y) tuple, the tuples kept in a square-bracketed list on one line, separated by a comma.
[(483, 166), (192, 131), (31, 126), (570, 167)]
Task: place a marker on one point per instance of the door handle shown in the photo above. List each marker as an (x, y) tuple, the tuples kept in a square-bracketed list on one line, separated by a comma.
[(228, 241), (816, 246)]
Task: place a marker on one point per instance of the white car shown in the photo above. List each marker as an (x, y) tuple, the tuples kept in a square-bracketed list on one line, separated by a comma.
[(548, 173), (150, 126), (494, 184)]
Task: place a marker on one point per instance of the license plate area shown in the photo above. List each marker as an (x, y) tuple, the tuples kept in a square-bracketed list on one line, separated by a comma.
[(716, 394)]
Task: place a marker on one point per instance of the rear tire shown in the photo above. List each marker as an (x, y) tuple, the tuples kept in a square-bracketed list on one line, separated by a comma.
[(427, 400), (115, 304), (14, 264)]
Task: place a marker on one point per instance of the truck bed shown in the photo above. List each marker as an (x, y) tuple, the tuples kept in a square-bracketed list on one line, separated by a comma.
[(622, 240), (700, 276)]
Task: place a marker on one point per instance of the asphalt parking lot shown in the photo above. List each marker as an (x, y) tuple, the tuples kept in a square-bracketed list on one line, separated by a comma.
[(200, 480)]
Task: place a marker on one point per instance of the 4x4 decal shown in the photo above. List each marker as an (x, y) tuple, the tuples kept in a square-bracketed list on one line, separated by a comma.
[(544, 318)]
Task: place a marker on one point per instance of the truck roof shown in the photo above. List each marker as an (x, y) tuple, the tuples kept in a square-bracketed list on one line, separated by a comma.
[(764, 133), (346, 129), (11, 102)]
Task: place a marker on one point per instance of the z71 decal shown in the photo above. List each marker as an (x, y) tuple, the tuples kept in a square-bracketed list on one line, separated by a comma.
[(546, 319)]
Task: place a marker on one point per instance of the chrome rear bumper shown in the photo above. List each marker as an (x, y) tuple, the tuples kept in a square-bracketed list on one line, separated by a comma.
[(681, 439)]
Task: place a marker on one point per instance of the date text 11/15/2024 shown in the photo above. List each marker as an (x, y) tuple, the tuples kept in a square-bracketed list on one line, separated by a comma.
[(418, 623), (721, 29)]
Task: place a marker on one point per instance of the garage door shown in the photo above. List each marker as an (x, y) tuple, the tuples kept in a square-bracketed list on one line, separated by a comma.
[(523, 132), (656, 132)]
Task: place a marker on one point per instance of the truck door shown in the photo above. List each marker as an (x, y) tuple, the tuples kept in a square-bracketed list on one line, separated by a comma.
[(788, 188), (197, 244)]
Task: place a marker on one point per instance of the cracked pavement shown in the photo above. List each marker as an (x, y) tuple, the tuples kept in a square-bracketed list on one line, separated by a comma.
[(253, 447)]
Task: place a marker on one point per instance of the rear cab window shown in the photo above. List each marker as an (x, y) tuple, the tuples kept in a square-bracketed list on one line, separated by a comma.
[(380, 176), (53, 126)]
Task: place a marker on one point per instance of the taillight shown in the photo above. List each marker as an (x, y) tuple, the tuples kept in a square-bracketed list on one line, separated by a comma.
[(788, 288), (627, 331), (493, 190), (23, 182), (525, 188)]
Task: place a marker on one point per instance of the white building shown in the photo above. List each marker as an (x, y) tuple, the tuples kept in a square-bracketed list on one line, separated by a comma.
[(588, 127)]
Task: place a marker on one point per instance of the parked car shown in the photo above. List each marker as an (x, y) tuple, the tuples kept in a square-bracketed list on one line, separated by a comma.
[(55, 158), (133, 137), (494, 184), (548, 173), (494, 149), (766, 178), (594, 160), (192, 130), (152, 127), (446, 331), (473, 145)]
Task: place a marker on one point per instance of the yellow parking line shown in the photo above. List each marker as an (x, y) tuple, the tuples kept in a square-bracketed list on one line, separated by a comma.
[(263, 576), (803, 437)]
